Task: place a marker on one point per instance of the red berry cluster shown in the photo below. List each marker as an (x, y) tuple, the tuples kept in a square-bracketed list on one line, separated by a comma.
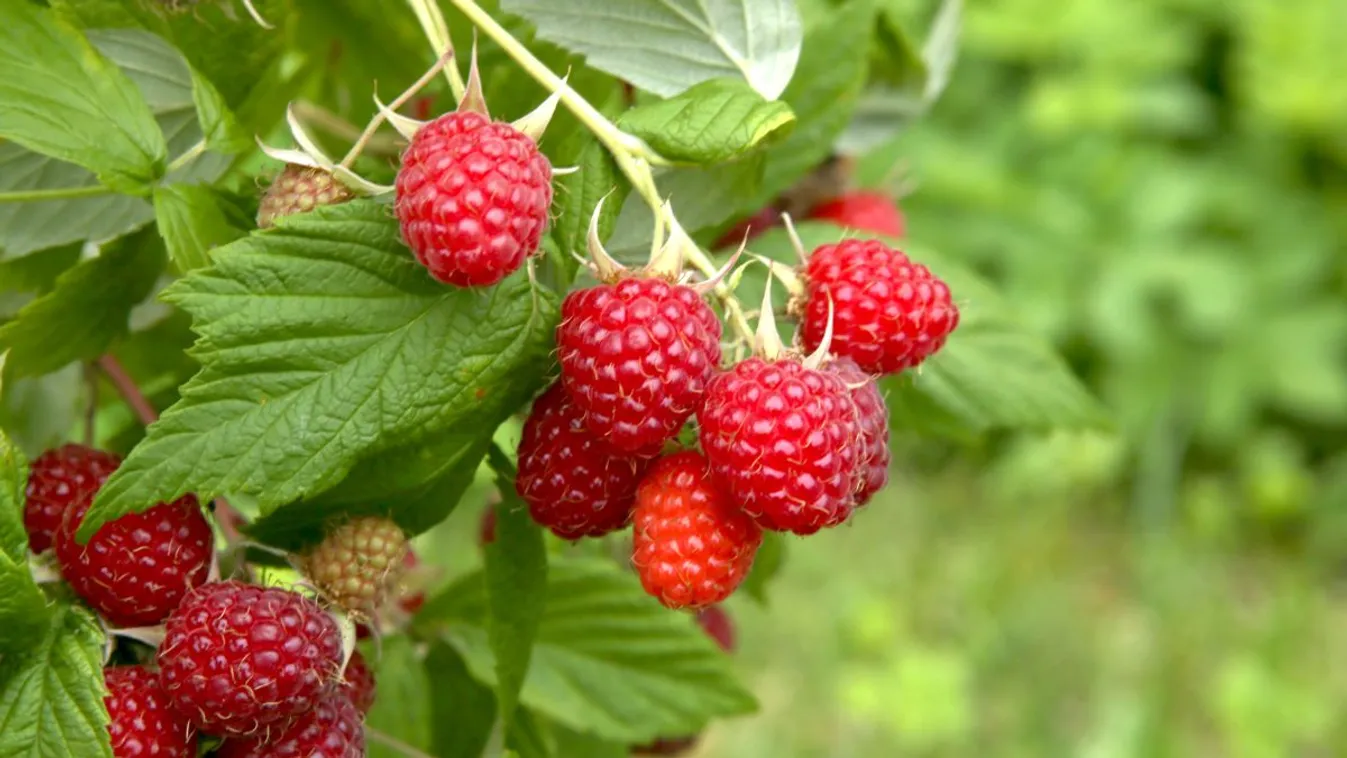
[(260, 667), (787, 443)]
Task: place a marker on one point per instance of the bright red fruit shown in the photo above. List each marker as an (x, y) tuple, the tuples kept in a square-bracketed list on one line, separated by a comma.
[(635, 357), (56, 480), (872, 212), (238, 659), (783, 441), (334, 728), (717, 624), (574, 484), (472, 198), (872, 471), (889, 314), (691, 546), (135, 570), (141, 723), (359, 682)]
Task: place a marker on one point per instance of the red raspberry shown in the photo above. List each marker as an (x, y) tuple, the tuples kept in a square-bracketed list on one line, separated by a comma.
[(870, 212), (334, 728), (141, 722), (782, 439), (137, 569), (890, 313), (57, 479), (691, 546), (359, 682), (717, 624), (872, 471), (472, 198), (574, 484), (237, 659), (635, 358), (299, 189)]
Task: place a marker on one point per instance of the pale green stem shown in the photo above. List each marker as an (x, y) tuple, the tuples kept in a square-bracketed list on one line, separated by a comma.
[(192, 154), (63, 193), (437, 32)]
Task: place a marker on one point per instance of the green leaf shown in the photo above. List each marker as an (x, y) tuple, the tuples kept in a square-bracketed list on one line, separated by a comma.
[(23, 608), (192, 224), (38, 413), (404, 707), (220, 129), (666, 46), (609, 659), (771, 557), (578, 194), (710, 122), (529, 737), (702, 197), (464, 709), (323, 342), (516, 588), (68, 101), (37, 273), (570, 742), (51, 698), (86, 311)]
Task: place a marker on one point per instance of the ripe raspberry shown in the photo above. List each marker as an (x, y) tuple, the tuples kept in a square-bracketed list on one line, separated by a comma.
[(359, 682), (137, 569), (334, 728), (635, 358), (237, 659), (359, 563), (782, 440), (871, 212), (717, 624), (141, 723), (472, 198), (57, 479), (299, 189), (890, 313), (574, 484), (872, 471), (691, 546)]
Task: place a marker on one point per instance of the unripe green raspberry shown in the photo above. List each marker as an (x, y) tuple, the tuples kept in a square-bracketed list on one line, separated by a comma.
[(359, 563), (299, 189)]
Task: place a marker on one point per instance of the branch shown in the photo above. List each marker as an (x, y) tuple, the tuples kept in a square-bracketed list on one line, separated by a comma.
[(126, 387)]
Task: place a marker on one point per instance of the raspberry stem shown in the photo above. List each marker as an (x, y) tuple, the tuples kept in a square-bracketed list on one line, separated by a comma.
[(126, 386), (437, 32), (393, 743), (61, 193)]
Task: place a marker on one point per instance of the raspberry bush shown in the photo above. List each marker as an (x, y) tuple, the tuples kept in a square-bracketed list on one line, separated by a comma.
[(263, 328)]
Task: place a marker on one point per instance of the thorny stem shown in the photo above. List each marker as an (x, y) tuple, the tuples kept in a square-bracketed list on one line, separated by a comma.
[(444, 62), (632, 155), (393, 743), (437, 32)]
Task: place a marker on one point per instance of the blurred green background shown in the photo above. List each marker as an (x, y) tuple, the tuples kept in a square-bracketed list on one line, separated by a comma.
[(1160, 186)]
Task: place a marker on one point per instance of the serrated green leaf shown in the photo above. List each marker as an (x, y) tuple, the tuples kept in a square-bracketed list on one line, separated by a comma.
[(710, 122), (39, 412), (51, 698), (86, 311), (464, 709), (667, 46), (609, 659), (37, 273), (529, 737), (219, 127), (323, 342), (13, 479), (76, 105), (578, 194), (23, 608), (192, 224), (516, 588), (771, 557), (404, 706)]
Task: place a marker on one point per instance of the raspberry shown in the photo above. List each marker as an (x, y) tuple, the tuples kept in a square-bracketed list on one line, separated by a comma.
[(472, 198), (635, 358), (359, 563), (137, 569), (334, 728), (691, 546), (782, 440), (870, 212), (141, 723), (574, 484), (890, 313), (299, 189), (716, 623), (872, 471), (359, 682), (58, 479), (237, 659)]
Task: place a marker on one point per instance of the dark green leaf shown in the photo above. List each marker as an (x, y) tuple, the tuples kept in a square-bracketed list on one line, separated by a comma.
[(516, 588), (577, 196), (51, 698), (609, 659), (37, 273), (404, 704), (573, 743), (192, 224), (23, 609), (771, 556), (76, 105), (464, 709), (710, 122), (86, 310), (323, 342), (221, 130)]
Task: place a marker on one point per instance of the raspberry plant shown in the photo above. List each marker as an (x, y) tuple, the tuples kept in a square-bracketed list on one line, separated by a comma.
[(278, 364)]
